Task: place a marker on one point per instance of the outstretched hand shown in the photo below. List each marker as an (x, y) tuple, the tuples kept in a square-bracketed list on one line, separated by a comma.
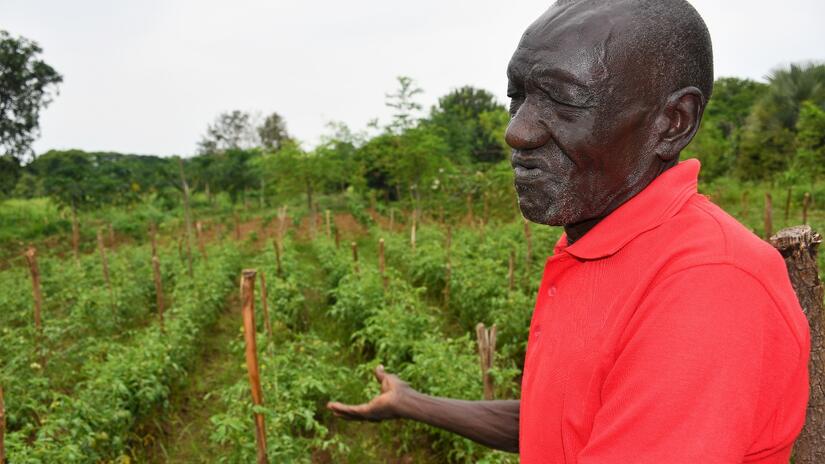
[(384, 406)]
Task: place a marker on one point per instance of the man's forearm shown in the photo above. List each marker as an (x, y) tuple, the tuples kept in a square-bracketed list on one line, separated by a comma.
[(490, 423)]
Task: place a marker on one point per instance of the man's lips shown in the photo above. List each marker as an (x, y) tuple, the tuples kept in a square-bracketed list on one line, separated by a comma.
[(525, 168)]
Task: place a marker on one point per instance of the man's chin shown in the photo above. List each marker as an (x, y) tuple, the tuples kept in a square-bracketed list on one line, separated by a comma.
[(541, 215)]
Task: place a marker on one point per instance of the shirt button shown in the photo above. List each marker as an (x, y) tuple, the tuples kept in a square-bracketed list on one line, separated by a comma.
[(551, 291)]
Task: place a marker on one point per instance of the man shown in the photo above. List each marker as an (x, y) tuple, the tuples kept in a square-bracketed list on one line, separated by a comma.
[(664, 331)]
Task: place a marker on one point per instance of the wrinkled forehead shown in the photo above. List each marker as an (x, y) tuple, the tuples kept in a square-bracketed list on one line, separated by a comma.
[(574, 37)]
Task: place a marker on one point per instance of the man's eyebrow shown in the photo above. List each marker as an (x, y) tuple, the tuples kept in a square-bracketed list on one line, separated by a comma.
[(558, 74)]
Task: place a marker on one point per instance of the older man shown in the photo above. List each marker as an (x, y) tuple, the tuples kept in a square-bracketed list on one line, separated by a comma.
[(663, 331)]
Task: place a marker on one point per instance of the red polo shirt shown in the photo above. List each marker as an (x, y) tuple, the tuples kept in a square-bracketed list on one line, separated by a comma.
[(668, 334)]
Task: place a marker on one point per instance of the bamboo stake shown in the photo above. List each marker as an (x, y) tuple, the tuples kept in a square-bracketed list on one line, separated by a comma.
[(788, 206), (265, 307), (277, 245), (187, 217), (104, 261), (355, 255), (2, 427), (798, 245), (382, 264), (806, 202), (248, 309), (486, 339), (768, 216), (158, 288)]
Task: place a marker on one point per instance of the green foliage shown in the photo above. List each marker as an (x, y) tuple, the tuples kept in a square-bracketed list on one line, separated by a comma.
[(26, 86)]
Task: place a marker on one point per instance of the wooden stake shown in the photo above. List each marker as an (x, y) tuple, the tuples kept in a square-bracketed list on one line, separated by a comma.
[(412, 230), (768, 216), (788, 206), (355, 255), (265, 307), (158, 278), (187, 217), (486, 339), (104, 261), (248, 309), (37, 296), (511, 265), (2, 427), (277, 245), (798, 245), (382, 264), (329, 228), (201, 244), (806, 202), (337, 239)]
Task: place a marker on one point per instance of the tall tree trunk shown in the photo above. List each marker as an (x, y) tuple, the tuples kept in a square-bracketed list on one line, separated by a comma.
[(798, 246)]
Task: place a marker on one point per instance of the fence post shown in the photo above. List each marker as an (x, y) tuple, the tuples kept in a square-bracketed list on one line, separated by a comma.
[(158, 289), (31, 258), (355, 256), (486, 339), (248, 309), (798, 245)]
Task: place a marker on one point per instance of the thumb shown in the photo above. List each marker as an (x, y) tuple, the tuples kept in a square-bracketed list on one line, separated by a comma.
[(380, 373)]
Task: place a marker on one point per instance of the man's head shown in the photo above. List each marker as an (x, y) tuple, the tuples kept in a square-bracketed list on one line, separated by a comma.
[(605, 94)]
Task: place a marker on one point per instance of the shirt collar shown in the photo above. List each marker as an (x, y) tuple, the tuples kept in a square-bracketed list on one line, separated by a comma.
[(659, 201)]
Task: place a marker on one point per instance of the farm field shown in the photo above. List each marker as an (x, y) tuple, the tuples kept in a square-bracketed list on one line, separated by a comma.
[(101, 380)]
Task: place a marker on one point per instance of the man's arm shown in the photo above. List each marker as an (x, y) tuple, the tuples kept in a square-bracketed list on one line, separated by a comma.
[(490, 423)]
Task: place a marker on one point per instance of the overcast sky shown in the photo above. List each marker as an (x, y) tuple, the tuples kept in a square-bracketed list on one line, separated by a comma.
[(148, 76)]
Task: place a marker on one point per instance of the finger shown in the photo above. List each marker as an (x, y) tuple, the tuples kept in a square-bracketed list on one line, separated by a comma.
[(380, 373), (347, 411)]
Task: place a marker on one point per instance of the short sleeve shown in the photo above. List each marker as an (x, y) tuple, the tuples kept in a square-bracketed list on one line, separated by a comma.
[(685, 386)]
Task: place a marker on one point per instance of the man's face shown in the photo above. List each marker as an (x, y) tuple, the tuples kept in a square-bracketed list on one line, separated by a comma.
[(581, 116)]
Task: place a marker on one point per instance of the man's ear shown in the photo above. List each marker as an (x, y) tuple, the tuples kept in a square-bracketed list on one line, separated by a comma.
[(678, 121)]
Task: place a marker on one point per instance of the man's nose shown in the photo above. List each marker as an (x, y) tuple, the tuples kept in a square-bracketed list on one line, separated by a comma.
[(526, 130)]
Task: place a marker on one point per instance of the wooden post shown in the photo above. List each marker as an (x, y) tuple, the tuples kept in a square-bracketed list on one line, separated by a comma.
[(788, 206), (486, 339), (798, 245), (806, 203), (337, 239), (768, 216), (448, 268), (158, 288), (201, 244), (511, 265), (111, 235), (529, 257), (248, 310), (187, 216), (276, 244), (104, 261), (329, 228), (31, 258), (2, 427), (412, 230), (382, 264), (355, 255), (265, 307)]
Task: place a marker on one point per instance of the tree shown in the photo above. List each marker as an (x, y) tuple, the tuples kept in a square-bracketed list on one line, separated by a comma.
[(472, 123), (273, 132), (810, 141), (404, 104), (232, 130)]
